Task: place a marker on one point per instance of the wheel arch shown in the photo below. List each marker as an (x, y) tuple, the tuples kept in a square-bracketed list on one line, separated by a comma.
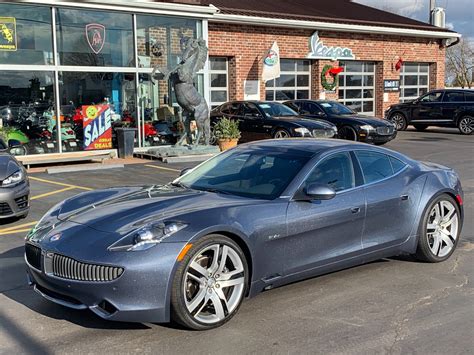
[(281, 128), (463, 113)]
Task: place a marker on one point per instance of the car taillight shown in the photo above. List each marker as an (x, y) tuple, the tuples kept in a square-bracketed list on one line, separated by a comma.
[(459, 199)]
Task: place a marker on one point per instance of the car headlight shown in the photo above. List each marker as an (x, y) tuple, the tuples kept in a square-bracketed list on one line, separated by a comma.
[(147, 236), (303, 131), (367, 128), (13, 179)]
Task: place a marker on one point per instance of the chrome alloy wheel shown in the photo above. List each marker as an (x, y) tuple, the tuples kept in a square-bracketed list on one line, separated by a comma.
[(214, 283), (282, 134), (399, 120), (442, 228), (466, 125)]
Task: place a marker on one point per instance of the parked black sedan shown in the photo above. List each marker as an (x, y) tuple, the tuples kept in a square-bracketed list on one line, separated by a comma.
[(264, 120), (441, 108), (350, 125)]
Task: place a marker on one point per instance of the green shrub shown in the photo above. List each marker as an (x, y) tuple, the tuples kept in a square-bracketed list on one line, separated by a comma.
[(227, 129)]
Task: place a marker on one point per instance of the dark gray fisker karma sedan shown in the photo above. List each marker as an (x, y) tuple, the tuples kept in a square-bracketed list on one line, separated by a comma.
[(256, 217)]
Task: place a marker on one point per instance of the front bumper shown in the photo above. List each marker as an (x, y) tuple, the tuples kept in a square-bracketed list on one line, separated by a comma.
[(14, 201), (139, 294), (375, 138)]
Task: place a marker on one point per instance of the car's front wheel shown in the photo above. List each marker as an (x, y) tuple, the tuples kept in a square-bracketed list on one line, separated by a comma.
[(281, 133), (466, 125), (210, 283), (347, 133), (439, 230), (399, 120)]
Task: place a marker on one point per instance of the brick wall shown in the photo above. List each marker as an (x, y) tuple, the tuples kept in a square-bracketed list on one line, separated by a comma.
[(246, 46)]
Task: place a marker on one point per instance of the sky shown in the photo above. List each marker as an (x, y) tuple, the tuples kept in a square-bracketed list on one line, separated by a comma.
[(459, 13)]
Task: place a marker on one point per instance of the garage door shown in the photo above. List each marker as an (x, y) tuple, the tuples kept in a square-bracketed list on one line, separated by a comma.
[(357, 86)]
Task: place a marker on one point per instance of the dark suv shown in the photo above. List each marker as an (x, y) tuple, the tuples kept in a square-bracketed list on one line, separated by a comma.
[(442, 108)]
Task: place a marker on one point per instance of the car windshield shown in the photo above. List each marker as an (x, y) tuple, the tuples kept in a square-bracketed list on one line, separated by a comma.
[(335, 108), (253, 173), (276, 109)]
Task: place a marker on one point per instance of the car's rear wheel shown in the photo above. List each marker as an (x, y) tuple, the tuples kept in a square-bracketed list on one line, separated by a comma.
[(399, 120), (281, 133), (420, 127), (347, 133), (210, 283), (439, 230), (466, 124)]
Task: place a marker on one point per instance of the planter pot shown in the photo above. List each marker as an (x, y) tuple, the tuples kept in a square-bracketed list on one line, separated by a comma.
[(225, 144)]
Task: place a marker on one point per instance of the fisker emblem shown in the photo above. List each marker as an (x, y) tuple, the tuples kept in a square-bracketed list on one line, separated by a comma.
[(55, 237)]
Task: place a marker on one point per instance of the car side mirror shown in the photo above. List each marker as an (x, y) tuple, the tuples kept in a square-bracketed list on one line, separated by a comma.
[(184, 171), (319, 192)]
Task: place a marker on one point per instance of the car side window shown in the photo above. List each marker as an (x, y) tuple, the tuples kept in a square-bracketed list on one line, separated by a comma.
[(397, 165), (294, 106), (315, 109), (335, 171), (375, 166), (432, 97), (453, 96), (250, 110)]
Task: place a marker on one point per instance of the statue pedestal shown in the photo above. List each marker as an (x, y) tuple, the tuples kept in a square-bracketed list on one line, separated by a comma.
[(183, 150)]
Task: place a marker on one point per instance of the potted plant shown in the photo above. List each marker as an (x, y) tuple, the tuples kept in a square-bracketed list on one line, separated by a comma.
[(227, 133)]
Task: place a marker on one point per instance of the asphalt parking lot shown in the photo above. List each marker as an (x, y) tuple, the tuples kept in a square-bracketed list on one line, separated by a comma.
[(389, 306)]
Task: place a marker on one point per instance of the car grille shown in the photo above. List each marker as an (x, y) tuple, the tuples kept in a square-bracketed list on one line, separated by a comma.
[(323, 133), (5, 209), (33, 256), (385, 131), (68, 268), (22, 202)]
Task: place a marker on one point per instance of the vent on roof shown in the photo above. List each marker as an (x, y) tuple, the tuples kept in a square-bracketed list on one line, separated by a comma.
[(438, 17)]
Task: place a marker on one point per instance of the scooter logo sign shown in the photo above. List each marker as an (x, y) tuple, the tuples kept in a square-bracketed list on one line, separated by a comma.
[(8, 41), (97, 124), (320, 51), (95, 34)]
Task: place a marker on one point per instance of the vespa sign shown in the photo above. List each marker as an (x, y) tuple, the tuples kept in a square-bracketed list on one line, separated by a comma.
[(320, 51)]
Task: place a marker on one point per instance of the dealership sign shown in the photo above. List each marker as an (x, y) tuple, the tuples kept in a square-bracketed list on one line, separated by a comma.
[(97, 124), (319, 51), (390, 85)]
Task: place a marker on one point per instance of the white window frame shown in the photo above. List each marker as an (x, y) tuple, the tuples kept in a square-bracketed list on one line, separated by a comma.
[(294, 88), (420, 89), (218, 88), (363, 87)]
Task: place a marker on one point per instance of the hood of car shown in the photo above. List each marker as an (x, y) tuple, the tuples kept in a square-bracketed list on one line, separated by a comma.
[(306, 122), (122, 210), (8, 165)]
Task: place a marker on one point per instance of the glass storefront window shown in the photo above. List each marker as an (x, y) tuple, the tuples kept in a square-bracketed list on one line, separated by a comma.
[(95, 38), (25, 35), (93, 105), (27, 111)]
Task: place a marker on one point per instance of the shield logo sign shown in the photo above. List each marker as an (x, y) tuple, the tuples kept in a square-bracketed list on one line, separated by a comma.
[(95, 34)]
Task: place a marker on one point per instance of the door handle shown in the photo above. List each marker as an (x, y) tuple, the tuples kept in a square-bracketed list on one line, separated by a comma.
[(355, 209), (404, 197)]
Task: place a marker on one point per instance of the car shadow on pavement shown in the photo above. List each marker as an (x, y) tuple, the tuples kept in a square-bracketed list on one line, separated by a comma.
[(14, 286)]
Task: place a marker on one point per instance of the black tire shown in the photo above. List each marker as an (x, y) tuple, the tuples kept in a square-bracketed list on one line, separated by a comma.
[(420, 127), (423, 252), (283, 132), (347, 133), (466, 125), (179, 311), (399, 120)]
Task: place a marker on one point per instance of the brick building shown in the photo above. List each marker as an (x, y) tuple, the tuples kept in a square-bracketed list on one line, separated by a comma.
[(65, 56)]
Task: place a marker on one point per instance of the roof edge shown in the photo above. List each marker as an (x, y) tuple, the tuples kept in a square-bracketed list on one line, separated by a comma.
[(332, 26)]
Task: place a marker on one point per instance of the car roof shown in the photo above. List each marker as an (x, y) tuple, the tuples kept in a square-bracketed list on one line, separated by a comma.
[(312, 147), (304, 146)]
